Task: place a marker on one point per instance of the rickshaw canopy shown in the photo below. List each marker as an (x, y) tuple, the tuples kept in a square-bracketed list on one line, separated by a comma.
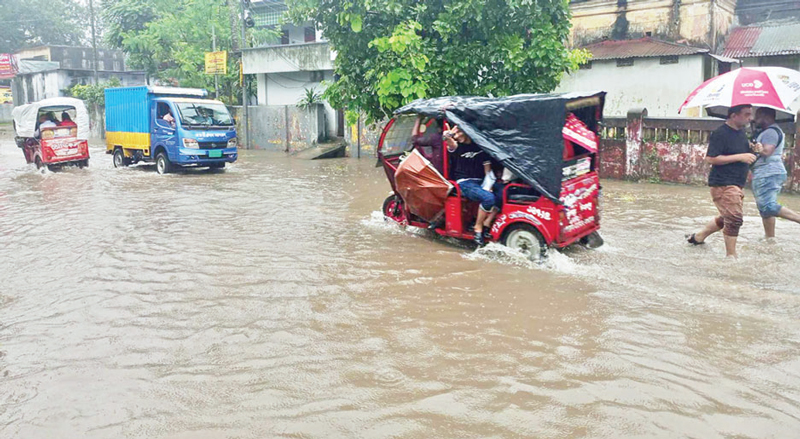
[(522, 132), (26, 116)]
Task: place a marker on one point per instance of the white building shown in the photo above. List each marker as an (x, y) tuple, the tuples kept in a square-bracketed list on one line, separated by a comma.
[(284, 68), (643, 73)]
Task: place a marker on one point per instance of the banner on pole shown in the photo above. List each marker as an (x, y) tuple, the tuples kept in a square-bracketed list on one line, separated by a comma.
[(217, 63), (8, 67)]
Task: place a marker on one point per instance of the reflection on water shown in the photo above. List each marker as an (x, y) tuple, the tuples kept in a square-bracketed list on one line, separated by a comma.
[(271, 300)]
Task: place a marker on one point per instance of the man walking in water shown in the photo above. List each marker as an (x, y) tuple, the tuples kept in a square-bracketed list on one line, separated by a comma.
[(730, 158), (769, 173)]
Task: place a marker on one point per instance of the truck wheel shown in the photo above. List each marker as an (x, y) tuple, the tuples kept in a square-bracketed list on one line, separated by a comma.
[(217, 165), (527, 240), (119, 158), (163, 166), (393, 209)]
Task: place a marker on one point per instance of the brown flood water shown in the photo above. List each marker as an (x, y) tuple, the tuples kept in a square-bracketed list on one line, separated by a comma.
[(272, 300)]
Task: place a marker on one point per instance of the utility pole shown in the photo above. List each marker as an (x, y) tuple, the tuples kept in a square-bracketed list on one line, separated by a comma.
[(214, 49), (94, 40), (244, 81)]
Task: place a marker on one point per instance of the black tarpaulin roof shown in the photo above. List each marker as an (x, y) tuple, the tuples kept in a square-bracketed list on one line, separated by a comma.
[(522, 132)]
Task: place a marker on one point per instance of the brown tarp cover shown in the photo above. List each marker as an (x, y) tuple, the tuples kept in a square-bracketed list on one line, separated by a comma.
[(422, 187)]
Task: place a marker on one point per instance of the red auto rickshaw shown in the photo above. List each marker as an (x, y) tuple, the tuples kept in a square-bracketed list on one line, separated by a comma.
[(53, 132), (548, 142)]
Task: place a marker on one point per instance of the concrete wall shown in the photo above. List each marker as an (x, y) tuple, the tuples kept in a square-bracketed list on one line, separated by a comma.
[(288, 58), (701, 22), (289, 88), (362, 139), (5, 113), (282, 127), (659, 88), (639, 147)]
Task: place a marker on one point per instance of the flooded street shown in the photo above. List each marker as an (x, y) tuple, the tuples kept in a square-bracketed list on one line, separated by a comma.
[(271, 300)]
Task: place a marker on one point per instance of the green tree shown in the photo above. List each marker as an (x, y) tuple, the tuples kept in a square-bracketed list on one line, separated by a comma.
[(390, 52), (169, 38), (26, 23)]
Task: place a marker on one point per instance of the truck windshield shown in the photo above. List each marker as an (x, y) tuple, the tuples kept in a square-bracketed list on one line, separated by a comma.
[(206, 114)]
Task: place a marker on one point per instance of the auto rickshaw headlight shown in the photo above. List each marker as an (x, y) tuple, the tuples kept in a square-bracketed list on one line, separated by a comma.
[(190, 143), (232, 143), (73, 132)]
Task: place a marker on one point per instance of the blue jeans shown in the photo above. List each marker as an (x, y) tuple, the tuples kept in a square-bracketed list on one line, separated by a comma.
[(765, 191), (473, 191)]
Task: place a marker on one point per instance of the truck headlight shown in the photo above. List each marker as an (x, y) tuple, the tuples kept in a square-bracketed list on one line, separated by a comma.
[(233, 143), (190, 143)]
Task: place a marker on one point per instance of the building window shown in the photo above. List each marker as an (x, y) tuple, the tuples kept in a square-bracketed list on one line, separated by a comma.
[(85, 63), (672, 59), (117, 66), (101, 65), (310, 35), (586, 66), (285, 36), (625, 62)]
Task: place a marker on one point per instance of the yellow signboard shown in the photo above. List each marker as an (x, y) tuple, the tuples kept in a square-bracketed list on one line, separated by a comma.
[(5, 95), (217, 63)]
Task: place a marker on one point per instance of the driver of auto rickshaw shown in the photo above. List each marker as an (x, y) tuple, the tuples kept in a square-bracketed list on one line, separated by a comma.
[(469, 166)]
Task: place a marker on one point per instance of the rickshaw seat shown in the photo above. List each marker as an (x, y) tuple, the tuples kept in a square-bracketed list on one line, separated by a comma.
[(521, 193)]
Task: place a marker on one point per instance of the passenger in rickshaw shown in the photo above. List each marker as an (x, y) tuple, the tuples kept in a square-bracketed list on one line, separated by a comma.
[(469, 166), (46, 120), (66, 121), (429, 141)]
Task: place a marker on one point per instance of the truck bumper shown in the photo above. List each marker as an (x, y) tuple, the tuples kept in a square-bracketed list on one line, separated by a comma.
[(189, 156)]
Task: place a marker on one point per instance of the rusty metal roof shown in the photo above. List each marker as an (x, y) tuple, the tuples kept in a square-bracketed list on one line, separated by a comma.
[(642, 48), (763, 40)]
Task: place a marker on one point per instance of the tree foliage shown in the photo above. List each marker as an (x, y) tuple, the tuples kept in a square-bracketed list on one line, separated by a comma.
[(169, 38), (390, 52), (93, 95), (27, 23)]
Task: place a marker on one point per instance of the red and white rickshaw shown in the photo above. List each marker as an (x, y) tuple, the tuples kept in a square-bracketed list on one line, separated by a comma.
[(550, 142), (63, 141)]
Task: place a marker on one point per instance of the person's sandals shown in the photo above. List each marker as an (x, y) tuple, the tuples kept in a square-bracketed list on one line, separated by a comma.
[(691, 239), (478, 239), (487, 233)]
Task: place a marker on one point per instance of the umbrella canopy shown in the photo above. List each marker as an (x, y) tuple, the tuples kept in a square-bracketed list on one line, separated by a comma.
[(422, 187), (771, 87)]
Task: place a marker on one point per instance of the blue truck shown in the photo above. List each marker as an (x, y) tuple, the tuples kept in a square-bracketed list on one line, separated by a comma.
[(170, 126)]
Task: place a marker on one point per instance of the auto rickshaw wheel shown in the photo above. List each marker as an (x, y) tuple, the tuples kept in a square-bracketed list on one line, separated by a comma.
[(119, 159), (592, 240), (527, 240), (83, 164), (393, 209), (163, 166)]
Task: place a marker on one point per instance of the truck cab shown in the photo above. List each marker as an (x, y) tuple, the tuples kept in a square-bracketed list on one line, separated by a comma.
[(173, 127)]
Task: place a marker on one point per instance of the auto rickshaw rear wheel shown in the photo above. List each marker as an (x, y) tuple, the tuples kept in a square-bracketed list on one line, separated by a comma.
[(163, 166), (592, 240), (393, 209), (119, 158), (527, 240)]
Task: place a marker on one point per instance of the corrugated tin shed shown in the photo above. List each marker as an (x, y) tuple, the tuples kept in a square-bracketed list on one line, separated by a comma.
[(763, 40), (642, 48)]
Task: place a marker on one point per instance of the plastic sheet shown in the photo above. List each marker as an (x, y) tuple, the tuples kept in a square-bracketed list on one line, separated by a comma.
[(522, 132)]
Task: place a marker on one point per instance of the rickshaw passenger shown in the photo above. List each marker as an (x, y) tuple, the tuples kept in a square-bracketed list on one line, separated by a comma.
[(469, 166), (66, 121), (46, 120), (429, 142)]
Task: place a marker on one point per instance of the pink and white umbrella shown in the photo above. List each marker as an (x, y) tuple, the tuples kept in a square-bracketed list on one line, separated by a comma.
[(772, 87)]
